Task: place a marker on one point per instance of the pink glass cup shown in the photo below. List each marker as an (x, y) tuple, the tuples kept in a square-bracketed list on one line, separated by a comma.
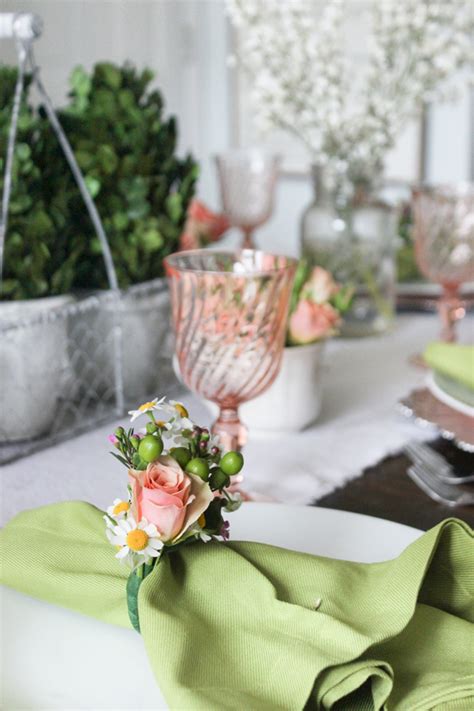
[(229, 315), (444, 245)]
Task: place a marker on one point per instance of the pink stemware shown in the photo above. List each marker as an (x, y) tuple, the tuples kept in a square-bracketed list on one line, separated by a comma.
[(229, 314), (444, 245), (247, 179)]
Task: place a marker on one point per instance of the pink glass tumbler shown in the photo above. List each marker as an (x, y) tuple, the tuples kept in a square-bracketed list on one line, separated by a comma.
[(229, 315)]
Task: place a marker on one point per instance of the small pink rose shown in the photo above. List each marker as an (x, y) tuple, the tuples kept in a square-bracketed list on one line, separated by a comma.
[(311, 322), (202, 227), (188, 240), (320, 286), (168, 497)]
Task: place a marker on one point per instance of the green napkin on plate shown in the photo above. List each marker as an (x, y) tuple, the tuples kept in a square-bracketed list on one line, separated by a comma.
[(452, 360), (250, 626)]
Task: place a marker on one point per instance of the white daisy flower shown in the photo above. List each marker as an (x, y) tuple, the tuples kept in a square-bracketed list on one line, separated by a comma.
[(119, 509), (176, 426), (179, 408), (197, 530), (137, 543), (149, 406)]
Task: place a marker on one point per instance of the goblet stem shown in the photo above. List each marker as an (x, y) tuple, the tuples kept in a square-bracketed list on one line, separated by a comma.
[(231, 432), (451, 309), (248, 242)]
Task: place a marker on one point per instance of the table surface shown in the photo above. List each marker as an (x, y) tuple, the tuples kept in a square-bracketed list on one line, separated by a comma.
[(386, 491), (359, 426)]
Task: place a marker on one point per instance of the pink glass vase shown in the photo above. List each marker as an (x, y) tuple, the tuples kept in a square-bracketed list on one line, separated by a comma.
[(229, 314), (444, 245)]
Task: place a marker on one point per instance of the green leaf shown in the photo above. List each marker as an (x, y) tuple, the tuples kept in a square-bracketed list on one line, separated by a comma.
[(23, 151), (108, 74), (302, 273), (86, 160), (121, 459), (120, 221), (8, 286), (107, 158), (174, 206), (133, 586), (152, 240), (80, 82), (93, 185)]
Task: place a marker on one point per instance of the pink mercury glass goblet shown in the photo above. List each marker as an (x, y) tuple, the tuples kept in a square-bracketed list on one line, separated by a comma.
[(229, 314), (444, 245), (247, 180)]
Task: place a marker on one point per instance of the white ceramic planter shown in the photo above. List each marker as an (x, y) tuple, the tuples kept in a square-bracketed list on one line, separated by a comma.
[(294, 399), (33, 362)]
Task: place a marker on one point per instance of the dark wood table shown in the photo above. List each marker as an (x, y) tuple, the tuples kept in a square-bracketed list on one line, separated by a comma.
[(385, 490)]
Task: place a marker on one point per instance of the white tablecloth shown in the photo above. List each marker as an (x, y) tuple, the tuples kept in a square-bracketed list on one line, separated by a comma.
[(358, 426)]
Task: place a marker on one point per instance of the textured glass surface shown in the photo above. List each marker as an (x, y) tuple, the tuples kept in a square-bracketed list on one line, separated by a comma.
[(247, 181), (444, 245), (229, 314)]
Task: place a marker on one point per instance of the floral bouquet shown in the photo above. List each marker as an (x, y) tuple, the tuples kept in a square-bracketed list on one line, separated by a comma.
[(316, 306), (178, 479)]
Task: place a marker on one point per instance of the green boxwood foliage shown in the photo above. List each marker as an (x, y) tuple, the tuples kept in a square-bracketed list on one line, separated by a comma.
[(127, 151)]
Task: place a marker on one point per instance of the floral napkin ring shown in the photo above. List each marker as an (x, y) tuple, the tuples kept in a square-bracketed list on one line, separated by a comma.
[(178, 489)]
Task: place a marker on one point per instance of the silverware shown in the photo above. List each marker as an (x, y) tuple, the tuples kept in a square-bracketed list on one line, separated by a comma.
[(422, 454), (438, 490)]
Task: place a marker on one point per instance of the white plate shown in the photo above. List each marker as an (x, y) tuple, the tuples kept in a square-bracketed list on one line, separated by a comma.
[(56, 659), (448, 400)]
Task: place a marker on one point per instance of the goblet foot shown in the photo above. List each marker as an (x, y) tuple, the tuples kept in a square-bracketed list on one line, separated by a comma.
[(451, 309), (231, 432)]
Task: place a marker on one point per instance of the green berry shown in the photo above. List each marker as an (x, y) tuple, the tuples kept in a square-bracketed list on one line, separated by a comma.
[(181, 455), (199, 467), (150, 448), (231, 463), (151, 427), (218, 479)]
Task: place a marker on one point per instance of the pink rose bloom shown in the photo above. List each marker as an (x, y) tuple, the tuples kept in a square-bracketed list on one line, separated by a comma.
[(202, 227), (189, 240), (168, 497), (310, 322), (320, 286)]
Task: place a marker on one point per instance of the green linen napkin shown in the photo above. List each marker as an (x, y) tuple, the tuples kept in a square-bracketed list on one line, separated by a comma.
[(235, 625), (452, 360)]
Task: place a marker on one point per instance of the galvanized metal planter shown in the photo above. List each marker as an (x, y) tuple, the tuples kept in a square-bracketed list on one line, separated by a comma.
[(61, 371)]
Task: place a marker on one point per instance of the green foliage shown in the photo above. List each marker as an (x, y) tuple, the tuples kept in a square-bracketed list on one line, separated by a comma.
[(126, 150), (35, 263), (303, 271), (407, 269)]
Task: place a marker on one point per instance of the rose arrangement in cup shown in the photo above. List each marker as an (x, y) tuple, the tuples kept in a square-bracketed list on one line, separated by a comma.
[(316, 307), (178, 479)]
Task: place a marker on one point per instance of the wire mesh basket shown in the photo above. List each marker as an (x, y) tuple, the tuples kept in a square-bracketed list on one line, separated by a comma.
[(58, 362)]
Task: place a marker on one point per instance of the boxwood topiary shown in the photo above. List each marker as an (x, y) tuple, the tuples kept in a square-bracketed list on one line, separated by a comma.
[(127, 152)]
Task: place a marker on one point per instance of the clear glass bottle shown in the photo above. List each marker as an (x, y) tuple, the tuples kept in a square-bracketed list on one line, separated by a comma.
[(348, 231)]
